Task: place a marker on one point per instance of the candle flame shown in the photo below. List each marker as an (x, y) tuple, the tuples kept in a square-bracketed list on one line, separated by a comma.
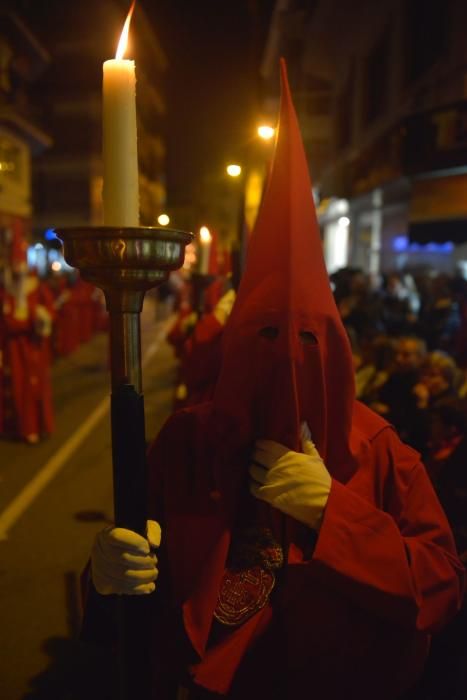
[(205, 235), (122, 44)]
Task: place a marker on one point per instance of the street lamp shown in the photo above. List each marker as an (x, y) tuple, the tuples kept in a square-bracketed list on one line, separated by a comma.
[(266, 132), (163, 220), (234, 170)]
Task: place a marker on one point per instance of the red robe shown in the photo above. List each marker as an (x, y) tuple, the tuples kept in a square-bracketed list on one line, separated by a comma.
[(26, 393), (354, 610), (177, 335), (201, 360), (68, 336), (84, 298)]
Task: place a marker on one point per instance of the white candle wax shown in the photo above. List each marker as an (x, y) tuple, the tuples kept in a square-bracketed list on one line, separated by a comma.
[(203, 252), (204, 249), (120, 153)]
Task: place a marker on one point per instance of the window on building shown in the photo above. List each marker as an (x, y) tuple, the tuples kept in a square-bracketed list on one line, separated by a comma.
[(377, 73), (344, 112), (318, 104), (426, 35), (318, 96)]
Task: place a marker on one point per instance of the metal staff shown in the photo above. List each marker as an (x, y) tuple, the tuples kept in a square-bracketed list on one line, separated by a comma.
[(125, 263)]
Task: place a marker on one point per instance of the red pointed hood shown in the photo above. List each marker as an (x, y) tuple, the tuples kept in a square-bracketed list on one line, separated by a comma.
[(286, 356)]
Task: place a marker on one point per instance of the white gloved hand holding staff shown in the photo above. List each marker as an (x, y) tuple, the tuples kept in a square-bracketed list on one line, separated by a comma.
[(224, 306), (123, 563), (296, 483)]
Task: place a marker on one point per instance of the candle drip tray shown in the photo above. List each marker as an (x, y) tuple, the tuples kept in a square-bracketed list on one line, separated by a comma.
[(126, 258)]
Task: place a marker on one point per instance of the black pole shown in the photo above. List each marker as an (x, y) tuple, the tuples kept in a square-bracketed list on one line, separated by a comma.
[(130, 478)]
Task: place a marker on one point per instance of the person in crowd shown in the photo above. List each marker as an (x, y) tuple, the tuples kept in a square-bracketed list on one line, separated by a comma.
[(397, 401), (202, 353), (375, 360), (58, 287), (396, 310), (438, 380), (196, 337), (459, 285), (447, 464), (67, 333), (303, 549), (440, 319), (360, 308), (445, 675), (462, 385)]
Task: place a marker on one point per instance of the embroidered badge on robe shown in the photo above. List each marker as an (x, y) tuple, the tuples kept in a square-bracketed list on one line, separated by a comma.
[(249, 578)]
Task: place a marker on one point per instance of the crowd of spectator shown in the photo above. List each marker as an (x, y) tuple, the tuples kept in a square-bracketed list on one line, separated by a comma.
[(409, 342)]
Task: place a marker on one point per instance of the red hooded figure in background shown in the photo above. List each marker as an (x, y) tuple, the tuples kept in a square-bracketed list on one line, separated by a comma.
[(26, 318), (304, 552)]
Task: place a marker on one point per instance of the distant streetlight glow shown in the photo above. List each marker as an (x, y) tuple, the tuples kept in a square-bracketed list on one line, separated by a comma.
[(234, 170), (266, 132), (56, 266), (163, 219)]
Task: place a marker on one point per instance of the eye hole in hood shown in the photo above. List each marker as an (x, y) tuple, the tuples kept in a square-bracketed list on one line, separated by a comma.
[(308, 338)]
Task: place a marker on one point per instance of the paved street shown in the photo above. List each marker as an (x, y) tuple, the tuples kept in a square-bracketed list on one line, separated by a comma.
[(53, 498)]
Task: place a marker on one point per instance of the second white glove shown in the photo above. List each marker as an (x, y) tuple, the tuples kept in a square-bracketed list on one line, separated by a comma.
[(122, 561), (224, 307), (295, 483)]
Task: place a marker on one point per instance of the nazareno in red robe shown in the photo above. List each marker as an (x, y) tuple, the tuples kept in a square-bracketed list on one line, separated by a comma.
[(352, 612), (352, 616), (201, 359), (26, 382)]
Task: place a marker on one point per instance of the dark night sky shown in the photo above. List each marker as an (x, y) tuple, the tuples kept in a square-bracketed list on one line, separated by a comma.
[(214, 48)]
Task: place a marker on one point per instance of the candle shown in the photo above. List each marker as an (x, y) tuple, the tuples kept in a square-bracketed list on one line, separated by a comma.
[(204, 249), (120, 154)]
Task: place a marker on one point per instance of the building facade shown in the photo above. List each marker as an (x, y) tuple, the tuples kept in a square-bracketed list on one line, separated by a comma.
[(382, 101), (22, 60), (68, 177)]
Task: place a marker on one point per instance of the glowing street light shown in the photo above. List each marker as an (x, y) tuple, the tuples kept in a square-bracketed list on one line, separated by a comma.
[(234, 170), (266, 132), (163, 220)]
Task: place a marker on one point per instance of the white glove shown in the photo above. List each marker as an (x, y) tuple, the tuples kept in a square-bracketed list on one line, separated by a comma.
[(181, 392), (224, 307), (296, 483), (189, 322), (62, 299), (43, 322), (122, 561)]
